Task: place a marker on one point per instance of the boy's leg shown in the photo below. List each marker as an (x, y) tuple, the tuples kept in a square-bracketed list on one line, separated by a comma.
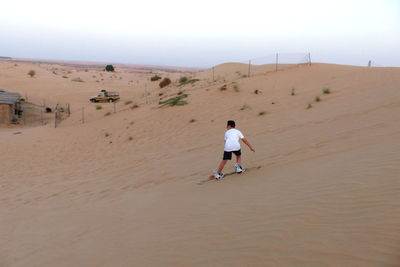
[(238, 165), (227, 156), (221, 165), (238, 159)]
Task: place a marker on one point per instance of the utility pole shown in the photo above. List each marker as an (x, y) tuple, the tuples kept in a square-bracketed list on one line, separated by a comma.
[(309, 59), (248, 74), (276, 64)]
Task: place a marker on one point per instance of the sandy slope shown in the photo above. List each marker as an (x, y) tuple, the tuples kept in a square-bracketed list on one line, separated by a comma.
[(326, 193)]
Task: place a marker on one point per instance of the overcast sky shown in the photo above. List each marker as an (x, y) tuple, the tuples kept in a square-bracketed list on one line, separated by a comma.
[(202, 33)]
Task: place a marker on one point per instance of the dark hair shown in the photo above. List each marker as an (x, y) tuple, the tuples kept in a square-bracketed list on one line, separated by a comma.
[(231, 123)]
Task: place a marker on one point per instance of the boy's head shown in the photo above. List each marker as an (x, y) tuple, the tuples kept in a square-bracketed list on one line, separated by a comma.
[(231, 123)]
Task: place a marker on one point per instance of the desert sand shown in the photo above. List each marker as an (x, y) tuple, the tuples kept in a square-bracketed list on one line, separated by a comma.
[(121, 189)]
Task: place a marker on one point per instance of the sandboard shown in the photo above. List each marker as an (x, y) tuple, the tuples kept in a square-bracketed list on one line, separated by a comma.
[(211, 178)]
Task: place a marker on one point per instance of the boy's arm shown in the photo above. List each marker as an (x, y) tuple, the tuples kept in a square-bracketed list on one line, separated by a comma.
[(248, 144)]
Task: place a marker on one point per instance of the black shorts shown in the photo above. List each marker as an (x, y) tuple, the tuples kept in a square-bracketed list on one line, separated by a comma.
[(228, 155)]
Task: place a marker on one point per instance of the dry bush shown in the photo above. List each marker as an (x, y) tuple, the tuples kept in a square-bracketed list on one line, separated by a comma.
[(32, 73), (164, 82)]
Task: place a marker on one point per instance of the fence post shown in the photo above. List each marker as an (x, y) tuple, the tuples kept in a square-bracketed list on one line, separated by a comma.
[(248, 73), (276, 64), (309, 58), (55, 119), (145, 92), (213, 74)]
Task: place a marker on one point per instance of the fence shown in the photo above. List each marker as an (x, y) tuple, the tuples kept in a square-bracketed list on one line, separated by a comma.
[(372, 63), (105, 109), (34, 115), (87, 114), (38, 114), (258, 66)]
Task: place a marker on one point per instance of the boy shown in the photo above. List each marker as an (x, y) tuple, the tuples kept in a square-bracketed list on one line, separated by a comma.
[(232, 145)]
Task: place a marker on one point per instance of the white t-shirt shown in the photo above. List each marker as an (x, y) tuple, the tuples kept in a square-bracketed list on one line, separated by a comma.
[(232, 137)]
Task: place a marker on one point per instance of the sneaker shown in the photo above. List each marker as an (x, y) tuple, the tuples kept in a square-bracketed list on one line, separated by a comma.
[(217, 175), (239, 168)]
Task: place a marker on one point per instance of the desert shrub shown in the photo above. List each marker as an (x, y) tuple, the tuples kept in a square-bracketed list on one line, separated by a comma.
[(293, 91), (183, 79), (31, 73), (262, 113), (106, 134), (65, 77), (236, 87), (99, 107), (130, 138), (317, 99), (165, 82), (309, 106), (127, 102), (107, 114), (326, 90), (110, 68), (190, 81), (245, 107), (77, 80), (223, 87), (155, 78), (174, 101), (192, 120)]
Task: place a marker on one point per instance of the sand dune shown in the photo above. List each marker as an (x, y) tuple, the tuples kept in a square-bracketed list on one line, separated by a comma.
[(121, 190)]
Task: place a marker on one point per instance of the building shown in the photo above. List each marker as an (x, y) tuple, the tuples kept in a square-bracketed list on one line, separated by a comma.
[(8, 106)]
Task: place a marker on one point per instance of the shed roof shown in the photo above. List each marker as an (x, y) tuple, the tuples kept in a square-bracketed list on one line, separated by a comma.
[(9, 98)]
